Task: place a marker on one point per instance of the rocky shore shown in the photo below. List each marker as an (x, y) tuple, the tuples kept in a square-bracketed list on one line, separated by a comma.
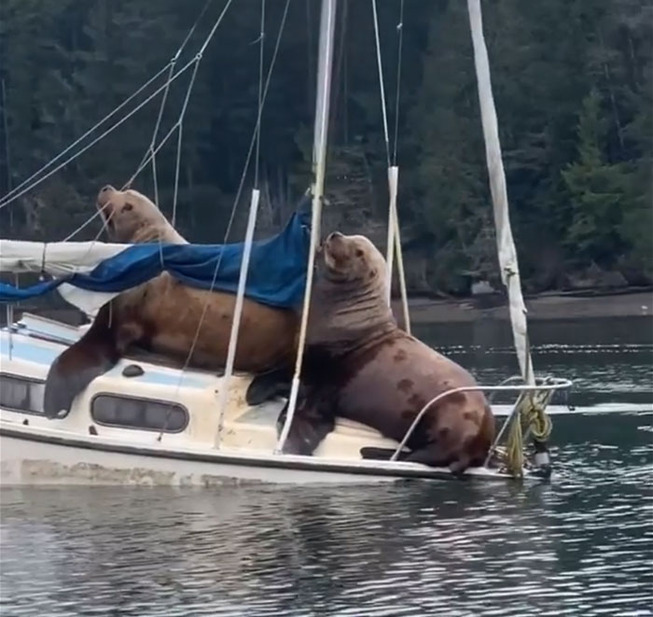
[(542, 307)]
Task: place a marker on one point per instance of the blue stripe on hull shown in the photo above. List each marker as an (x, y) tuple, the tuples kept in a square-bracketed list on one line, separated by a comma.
[(44, 353)]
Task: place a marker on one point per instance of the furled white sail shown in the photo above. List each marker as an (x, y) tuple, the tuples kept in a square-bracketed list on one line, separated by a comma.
[(505, 244), (61, 259), (55, 258)]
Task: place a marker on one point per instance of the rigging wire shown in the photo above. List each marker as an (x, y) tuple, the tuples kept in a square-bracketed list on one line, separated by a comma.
[(381, 86), (157, 125), (400, 36), (260, 95), (96, 140), (234, 207), (179, 124), (327, 20), (394, 236), (16, 193), (8, 197), (247, 250)]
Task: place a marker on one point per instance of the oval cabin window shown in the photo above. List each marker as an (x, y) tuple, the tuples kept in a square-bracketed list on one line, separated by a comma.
[(138, 413), (21, 394)]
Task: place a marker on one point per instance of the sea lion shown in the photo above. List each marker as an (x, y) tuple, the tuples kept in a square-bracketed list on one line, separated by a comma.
[(163, 315), (359, 365)]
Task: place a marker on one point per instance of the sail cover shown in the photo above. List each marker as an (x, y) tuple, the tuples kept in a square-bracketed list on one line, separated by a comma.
[(276, 276)]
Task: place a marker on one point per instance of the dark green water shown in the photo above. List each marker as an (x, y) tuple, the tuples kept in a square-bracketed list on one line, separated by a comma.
[(582, 545)]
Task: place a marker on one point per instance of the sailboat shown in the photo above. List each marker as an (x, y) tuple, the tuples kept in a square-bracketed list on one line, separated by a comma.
[(147, 423)]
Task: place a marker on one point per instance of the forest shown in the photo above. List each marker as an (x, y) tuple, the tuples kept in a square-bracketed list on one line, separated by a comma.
[(573, 87)]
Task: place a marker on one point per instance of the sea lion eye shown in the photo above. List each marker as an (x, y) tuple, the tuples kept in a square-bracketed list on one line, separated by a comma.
[(127, 207), (359, 252)]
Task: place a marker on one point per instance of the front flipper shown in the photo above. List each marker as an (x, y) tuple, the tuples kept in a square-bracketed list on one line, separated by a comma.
[(266, 386), (308, 428), (94, 354)]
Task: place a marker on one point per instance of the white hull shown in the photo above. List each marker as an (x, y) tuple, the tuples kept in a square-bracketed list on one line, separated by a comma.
[(43, 456), (84, 448)]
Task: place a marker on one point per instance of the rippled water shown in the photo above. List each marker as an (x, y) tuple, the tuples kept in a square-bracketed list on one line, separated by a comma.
[(582, 545)]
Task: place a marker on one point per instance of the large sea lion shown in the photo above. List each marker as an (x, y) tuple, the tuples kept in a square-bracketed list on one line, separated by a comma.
[(359, 365), (163, 315)]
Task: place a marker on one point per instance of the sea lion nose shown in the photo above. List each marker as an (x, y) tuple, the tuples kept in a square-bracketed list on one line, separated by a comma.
[(104, 196), (334, 234)]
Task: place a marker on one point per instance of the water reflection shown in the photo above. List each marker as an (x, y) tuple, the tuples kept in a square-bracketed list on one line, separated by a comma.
[(582, 545)]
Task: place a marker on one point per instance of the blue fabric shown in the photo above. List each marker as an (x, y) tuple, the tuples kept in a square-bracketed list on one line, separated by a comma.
[(276, 274)]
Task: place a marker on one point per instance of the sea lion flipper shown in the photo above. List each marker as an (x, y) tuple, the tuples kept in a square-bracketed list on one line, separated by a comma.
[(266, 386), (435, 456), (309, 427), (95, 353)]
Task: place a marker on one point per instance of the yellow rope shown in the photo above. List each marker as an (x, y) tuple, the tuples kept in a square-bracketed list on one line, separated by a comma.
[(531, 411)]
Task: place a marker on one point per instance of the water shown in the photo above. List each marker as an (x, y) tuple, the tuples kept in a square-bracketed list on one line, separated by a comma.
[(582, 545)]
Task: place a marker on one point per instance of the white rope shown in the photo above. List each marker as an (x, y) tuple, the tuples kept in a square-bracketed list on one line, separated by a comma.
[(182, 114), (319, 162), (164, 99), (249, 238), (554, 385), (394, 181), (97, 139), (400, 35), (394, 234), (235, 204), (155, 133), (257, 157), (151, 152), (180, 125), (238, 310), (381, 86), (505, 244), (147, 159), (9, 197)]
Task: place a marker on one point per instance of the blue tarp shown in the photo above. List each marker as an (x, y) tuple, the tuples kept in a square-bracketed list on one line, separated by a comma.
[(276, 274)]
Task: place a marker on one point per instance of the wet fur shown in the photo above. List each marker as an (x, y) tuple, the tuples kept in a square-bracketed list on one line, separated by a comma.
[(162, 316), (359, 365)]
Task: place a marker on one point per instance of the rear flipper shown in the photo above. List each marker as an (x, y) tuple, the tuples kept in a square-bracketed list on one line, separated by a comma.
[(307, 430), (94, 354), (435, 456)]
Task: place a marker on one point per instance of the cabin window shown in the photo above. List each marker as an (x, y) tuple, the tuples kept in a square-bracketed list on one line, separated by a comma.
[(138, 413), (21, 394)]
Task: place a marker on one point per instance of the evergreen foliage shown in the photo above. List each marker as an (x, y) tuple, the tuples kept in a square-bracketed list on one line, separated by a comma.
[(574, 94)]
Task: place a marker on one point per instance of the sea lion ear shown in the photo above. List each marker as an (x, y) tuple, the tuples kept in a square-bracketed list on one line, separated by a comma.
[(372, 274)]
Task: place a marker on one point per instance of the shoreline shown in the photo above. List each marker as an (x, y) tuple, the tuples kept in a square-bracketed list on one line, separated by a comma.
[(545, 307)]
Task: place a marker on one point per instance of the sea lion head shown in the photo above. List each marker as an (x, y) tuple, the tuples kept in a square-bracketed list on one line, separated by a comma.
[(351, 290), (353, 260), (130, 216)]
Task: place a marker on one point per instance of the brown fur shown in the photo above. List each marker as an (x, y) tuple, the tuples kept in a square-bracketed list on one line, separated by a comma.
[(359, 365), (162, 316)]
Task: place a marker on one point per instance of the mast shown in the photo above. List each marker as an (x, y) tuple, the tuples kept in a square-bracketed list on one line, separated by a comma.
[(527, 408), (320, 131)]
